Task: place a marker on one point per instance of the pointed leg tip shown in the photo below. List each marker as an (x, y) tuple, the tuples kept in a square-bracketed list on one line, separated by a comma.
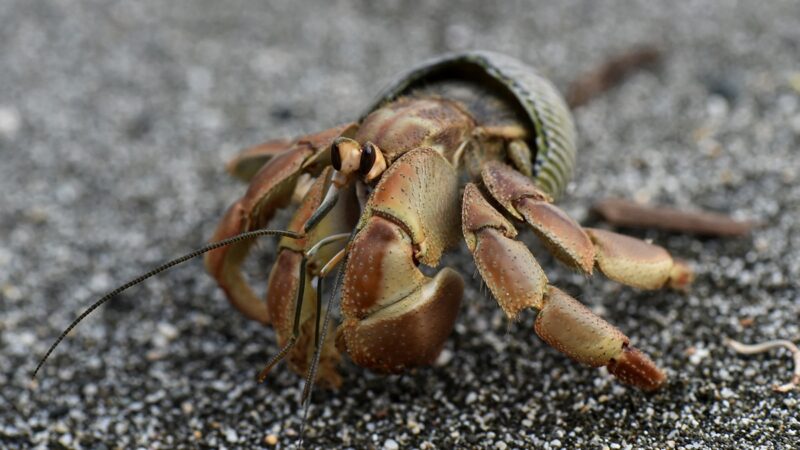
[(635, 368), (681, 275), (587, 264)]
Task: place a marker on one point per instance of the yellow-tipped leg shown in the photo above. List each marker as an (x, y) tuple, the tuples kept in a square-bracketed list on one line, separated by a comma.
[(622, 258), (637, 263), (517, 282)]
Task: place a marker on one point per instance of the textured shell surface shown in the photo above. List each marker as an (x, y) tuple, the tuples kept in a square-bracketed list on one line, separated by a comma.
[(542, 106)]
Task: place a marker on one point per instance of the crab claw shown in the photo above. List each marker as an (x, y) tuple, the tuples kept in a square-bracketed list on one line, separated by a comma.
[(396, 317)]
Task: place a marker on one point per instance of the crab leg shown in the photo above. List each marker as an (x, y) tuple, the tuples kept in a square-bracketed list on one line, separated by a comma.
[(621, 258), (249, 161), (518, 283), (395, 317), (284, 287), (271, 188)]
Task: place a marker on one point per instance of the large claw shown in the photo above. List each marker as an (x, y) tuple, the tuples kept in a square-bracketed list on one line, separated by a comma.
[(394, 316)]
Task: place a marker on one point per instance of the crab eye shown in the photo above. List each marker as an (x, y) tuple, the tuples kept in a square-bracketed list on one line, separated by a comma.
[(368, 155), (336, 156)]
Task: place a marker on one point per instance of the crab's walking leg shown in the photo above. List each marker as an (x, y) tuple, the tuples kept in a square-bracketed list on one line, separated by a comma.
[(284, 280), (249, 161), (622, 258), (271, 188), (395, 317), (518, 282)]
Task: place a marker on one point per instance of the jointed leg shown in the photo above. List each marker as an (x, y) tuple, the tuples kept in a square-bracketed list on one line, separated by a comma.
[(624, 259), (291, 281), (271, 188), (518, 282), (249, 161)]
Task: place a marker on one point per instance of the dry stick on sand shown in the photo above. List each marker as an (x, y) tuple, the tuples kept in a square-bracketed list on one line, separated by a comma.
[(626, 213), (769, 345)]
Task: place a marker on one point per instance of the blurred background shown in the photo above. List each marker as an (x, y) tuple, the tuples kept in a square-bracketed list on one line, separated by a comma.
[(116, 119)]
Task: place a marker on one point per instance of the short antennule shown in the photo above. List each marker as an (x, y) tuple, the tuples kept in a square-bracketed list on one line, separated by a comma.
[(157, 270)]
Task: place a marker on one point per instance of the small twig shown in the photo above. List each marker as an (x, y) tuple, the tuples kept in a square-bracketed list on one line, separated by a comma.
[(626, 213), (610, 74), (769, 345)]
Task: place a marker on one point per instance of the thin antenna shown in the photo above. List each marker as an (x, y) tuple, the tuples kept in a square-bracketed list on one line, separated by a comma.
[(319, 311), (298, 309), (312, 373), (299, 303), (157, 270)]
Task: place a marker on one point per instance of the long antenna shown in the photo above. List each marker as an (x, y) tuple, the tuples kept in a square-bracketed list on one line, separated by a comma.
[(298, 309), (157, 270), (299, 303), (312, 373)]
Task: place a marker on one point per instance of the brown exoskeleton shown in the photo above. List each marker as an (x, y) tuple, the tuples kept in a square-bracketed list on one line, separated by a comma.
[(395, 174), (459, 148)]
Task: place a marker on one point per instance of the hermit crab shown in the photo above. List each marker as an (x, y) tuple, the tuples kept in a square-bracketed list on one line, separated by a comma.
[(467, 148)]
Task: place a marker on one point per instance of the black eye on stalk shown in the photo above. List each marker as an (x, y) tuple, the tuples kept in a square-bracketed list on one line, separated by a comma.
[(336, 157), (368, 153)]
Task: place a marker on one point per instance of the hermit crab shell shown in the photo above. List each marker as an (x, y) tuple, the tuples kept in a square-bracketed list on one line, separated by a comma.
[(532, 98)]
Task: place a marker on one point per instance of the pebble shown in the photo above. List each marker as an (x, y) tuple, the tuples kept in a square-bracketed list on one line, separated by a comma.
[(444, 358), (390, 444), (699, 355), (231, 436), (187, 407), (271, 440), (727, 393)]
